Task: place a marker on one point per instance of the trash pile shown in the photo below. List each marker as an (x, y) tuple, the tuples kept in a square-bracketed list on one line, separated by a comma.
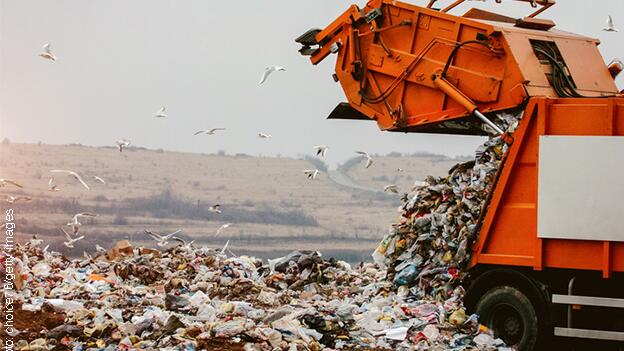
[(188, 298), (428, 248)]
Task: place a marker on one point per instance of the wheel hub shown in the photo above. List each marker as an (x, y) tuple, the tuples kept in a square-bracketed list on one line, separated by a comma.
[(507, 324), (511, 326)]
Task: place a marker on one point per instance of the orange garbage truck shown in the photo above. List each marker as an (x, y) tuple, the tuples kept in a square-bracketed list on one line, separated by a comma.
[(548, 260)]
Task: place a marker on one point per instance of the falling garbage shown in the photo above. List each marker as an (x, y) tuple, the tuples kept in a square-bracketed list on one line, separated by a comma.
[(188, 298)]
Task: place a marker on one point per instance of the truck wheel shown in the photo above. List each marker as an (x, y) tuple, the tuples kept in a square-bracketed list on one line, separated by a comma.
[(510, 315)]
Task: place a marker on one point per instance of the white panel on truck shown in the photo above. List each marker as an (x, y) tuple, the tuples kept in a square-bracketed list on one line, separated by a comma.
[(581, 188)]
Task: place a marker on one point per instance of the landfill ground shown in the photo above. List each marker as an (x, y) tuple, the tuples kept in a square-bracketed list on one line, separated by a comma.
[(187, 296), (34, 324), (193, 297)]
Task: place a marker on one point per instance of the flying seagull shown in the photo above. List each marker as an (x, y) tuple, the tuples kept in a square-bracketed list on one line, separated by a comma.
[(222, 227), (392, 187), (216, 208), (161, 113), (268, 71), (264, 135), (163, 240), (47, 53), (311, 173), (75, 224), (13, 199), (418, 184), (99, 179), (610, 26), (121, 144), (100, 250), (321, 150), (369, 160), (4, 182), (225, 247), (70, 241), (52, 186), (73, 174), (208, 131), (185, 245)]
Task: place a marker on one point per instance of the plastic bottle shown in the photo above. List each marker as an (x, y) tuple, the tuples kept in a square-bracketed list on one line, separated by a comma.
[(406, 276)]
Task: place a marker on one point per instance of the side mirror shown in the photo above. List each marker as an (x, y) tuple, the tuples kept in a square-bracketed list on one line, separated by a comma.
[(615, 67)]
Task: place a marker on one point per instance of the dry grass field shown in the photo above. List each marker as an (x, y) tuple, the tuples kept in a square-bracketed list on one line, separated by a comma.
[(273, 207), (402, 170)]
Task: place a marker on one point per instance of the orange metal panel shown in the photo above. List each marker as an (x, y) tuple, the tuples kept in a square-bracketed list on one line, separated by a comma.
[(606, 259), (617, 255), (527, 61), (391, 51), (573, 254), (579, 119), (508, 260), (500, 186), (583, 60), (618, 118), (509, 228), (402, 51), (588, 77)]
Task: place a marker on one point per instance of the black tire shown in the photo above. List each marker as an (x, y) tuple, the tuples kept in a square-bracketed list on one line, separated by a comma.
[(511, 316)]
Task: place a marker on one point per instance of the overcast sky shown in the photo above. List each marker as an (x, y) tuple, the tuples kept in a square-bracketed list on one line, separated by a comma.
[(119, 61)]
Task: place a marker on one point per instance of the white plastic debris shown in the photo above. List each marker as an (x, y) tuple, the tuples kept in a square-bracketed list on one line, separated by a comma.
[(399, 333)]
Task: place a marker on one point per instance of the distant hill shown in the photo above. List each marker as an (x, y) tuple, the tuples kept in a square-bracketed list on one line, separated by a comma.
[(399, 169), (272, 206)]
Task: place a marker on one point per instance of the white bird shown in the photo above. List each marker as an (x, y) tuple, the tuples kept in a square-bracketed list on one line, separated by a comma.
[(35, 241), (321, 150), (399, 169), (264, 135), (161, 113), (225, 247), (369, 160), (610, 26), (268, 71), (47, 53), (216, 208), (311, 173), (75, 224), (73, 174), (4, 182), (122, 143), (208, 131), (222, 227), (162, 240), (100, 249), (392, 187), (52, 186), (418, 184), (99, 179), (185, 245), (13, 199), (70, 241)]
